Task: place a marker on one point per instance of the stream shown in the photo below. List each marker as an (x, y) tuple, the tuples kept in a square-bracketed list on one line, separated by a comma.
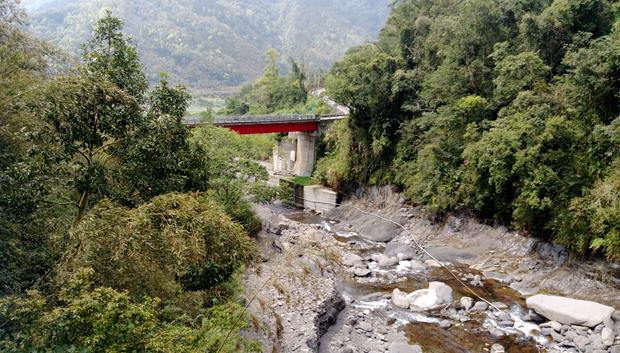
[(343, 282), (371, 294)]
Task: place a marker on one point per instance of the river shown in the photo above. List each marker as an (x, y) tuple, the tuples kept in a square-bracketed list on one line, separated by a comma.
[(330, 285)]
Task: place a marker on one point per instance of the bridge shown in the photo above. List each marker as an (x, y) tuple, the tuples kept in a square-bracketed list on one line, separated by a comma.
[(293, 156), (266, 124)]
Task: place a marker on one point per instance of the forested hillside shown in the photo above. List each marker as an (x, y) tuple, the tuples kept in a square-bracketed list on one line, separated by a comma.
[(120, 230), (509, 109), (215, 44)]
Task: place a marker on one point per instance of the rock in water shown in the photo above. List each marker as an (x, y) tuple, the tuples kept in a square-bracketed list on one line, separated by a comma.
[(432, 263), (400, 299), (570, 311), (423, 299), (437, 294), (480, 306), (361, 272)]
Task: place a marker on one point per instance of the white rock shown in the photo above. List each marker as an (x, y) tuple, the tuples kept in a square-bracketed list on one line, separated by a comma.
[(497, 348), (466, 303), (556, 326), (444, 292), (432, 263), (437, 294), (570, 311), (404, 348), (607, 336), (480, 306), (417, 265), (361, 272), (423, 299), (403, 257), (400, 299)]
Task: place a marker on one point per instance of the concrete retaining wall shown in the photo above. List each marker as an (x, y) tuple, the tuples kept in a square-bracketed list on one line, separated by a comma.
[(319, 198)]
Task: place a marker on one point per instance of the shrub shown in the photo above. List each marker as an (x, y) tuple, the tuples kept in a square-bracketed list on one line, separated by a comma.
[(175, 241), (97, 320)]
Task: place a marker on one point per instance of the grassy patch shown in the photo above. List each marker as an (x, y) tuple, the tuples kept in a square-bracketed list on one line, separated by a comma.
[(304, 181)]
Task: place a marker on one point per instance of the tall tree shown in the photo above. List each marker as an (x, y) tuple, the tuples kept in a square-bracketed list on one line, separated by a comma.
[(88, 116), (111, 55), (156, 158)]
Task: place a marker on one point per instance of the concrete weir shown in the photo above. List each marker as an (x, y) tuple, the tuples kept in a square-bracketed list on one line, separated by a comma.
[(319, 198)]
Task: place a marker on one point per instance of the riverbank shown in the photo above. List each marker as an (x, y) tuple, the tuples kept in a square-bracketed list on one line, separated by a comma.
[(327, 283)]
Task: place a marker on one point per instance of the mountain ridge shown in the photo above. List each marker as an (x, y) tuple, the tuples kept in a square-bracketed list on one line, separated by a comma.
[(219, 44)]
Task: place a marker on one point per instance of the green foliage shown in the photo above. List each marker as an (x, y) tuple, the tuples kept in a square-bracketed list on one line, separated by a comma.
[(272, 93), (28, 218), (363, 81), (175, 241), (156, 158), (506, 109), (161, 277), (594, 220), (516, 73), (88, 116), (224, 169), (111, 56), (332, 168), (97, 319), (303, 181)]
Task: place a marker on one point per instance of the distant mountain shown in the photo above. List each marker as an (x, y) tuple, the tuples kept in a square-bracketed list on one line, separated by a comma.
[(212, 44)]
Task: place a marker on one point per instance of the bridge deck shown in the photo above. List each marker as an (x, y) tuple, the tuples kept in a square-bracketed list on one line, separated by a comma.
[(261, 124), (264, 119)]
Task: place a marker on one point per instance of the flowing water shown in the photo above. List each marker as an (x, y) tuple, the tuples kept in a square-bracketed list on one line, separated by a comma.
[(373, 293)]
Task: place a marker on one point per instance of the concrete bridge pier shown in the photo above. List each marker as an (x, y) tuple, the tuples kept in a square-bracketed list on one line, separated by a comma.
[(296, 155), (306, 153)]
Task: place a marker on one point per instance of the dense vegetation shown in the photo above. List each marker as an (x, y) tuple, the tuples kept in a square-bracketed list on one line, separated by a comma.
[(274, 93), (212, 44), (120, 229), (509, 109)]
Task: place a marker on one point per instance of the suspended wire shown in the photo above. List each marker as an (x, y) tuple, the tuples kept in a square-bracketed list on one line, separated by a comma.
[(415, 241)]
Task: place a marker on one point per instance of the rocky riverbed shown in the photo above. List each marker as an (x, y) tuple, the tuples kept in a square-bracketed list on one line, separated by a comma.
[(348, 281)]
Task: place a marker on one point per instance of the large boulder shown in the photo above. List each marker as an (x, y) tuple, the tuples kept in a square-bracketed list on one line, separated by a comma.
[(423, 299), (400, 299), (570, 311), (443, 291), (438, 294), (375, 229), (401, 250)]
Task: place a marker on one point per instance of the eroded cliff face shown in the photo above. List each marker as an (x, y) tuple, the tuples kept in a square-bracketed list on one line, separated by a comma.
[(327, 283)]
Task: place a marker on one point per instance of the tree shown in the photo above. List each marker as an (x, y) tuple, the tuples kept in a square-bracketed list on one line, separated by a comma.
[(112, 56), (173, 243), (155, 158), (516, 73), (89, 117), (28, 174)]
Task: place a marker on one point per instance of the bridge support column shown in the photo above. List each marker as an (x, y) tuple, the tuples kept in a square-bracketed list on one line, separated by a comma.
[(296, 155), (306, 154)]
